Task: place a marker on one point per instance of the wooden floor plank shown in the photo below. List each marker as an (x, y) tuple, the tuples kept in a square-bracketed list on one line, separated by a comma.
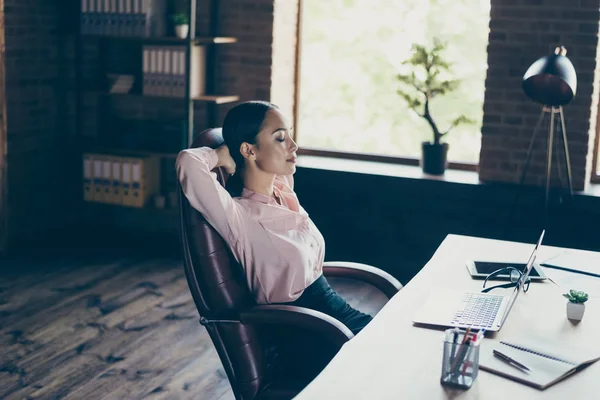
[(35, 330), (42, 295), (141, 362), (54, 337), (114, 328)]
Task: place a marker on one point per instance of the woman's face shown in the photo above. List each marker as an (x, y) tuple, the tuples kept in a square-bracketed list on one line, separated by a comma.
[(276, 150)]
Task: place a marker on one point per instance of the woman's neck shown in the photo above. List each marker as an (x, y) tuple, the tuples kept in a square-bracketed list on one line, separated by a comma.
[(259, 181)]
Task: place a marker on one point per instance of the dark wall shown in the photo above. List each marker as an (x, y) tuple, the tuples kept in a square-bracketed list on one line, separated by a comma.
[(398, 223), (38, 118)]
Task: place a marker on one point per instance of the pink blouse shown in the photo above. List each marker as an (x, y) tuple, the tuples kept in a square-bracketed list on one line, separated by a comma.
[(279, 247)]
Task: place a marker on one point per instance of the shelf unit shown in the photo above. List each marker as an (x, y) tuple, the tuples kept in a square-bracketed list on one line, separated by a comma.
[(212, 99), (210, 42)]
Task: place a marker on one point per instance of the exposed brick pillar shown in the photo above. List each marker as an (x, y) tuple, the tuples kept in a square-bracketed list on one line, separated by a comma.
[(245, 67), (520, 33), (261, 65)]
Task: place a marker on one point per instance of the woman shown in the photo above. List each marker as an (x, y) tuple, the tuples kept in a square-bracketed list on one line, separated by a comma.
[(259, 215)]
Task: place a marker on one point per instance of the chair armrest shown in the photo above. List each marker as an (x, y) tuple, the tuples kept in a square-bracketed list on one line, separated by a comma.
[(316, 321), (366, 273)]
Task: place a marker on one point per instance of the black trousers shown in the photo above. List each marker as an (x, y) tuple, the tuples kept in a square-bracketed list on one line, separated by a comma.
[(303, 353), (320, 296)]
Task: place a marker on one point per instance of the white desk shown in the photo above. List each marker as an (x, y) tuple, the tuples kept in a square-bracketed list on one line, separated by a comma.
[(393, 359)]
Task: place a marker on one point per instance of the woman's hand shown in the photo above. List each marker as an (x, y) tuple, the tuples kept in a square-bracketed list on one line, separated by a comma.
[(225, 159)]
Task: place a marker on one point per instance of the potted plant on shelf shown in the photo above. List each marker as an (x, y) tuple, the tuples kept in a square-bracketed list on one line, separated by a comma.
[(576, 304), (424, 81), (181, 22)]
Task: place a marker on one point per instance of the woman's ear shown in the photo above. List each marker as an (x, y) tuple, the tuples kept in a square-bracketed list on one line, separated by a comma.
[(247, 151)]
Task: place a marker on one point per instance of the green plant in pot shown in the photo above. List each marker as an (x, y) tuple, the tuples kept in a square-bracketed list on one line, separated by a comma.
[(576, 304), (181, 23), (425, 81)]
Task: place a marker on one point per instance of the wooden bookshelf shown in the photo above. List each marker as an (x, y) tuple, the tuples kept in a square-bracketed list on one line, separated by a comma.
[(141, 220), (127, 151), (167, 40), (124, 55), (216, 99)]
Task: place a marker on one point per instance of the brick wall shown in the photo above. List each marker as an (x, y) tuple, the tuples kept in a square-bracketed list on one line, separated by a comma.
[(36, 113), (245, 67), (521, 31)]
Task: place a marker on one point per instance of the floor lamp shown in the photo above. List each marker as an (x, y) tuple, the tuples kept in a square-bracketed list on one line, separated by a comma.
[(552, 82)]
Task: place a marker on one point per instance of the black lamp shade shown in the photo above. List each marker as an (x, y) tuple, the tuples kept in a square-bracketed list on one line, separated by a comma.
[(551, 80)]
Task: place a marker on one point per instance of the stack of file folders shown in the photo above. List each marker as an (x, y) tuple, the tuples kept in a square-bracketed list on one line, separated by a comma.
[(146, 18), (125, 180), (164, 69)]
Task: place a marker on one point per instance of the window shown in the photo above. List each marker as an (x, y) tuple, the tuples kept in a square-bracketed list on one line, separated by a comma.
[(351, 52)]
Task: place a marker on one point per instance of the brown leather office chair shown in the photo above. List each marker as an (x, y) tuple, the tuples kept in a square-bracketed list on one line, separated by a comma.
[(238, 326)]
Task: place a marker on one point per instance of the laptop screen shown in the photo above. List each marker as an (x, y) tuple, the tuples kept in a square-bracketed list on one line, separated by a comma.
[(524, 276)]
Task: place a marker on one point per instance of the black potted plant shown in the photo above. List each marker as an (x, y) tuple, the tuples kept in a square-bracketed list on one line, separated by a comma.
[(424, 81)]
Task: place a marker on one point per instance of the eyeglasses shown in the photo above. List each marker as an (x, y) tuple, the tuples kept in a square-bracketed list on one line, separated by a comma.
[(515, 276)]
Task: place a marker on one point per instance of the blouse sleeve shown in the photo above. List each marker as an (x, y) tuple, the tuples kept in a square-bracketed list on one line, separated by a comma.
[(205, 193)]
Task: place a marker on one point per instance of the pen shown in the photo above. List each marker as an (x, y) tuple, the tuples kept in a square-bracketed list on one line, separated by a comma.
[(511, 361), (461, 352)]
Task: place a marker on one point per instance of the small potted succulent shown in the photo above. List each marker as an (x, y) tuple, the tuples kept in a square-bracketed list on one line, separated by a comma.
[(576, 304), (181, 22), (426, 79)]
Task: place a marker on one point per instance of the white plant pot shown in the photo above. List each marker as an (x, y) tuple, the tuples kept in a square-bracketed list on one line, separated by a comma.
[(575, 311), (182, 31)]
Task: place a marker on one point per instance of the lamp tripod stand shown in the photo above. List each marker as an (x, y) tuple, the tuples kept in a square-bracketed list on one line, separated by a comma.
[(551, 144)]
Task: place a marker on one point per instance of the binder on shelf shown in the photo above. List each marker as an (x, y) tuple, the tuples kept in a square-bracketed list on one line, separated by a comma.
[(121, 20), (106, 178), (105, 17), (153, 17), (88, 177), (91, 7), (160, 72), (126, 197), (98, 189), (164, 70), (136, 10), (140, 180), (178, 69), (168, 74), (115, 180), (146, 70), (152, 72), (128, 18), (144, 179), (112, 19), (83, 17)]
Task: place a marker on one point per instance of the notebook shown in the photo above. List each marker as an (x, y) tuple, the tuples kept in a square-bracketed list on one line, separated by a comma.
[(548, 365)]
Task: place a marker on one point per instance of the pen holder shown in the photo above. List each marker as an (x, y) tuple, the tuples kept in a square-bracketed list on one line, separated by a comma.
[(460, 363)]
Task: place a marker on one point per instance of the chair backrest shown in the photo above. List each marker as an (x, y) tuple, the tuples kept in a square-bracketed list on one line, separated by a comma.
[(220, 291)]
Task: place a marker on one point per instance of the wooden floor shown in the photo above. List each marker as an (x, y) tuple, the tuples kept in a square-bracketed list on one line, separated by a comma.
[(112, 328)]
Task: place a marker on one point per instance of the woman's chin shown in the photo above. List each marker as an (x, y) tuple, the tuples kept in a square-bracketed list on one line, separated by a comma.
[(290, 168)]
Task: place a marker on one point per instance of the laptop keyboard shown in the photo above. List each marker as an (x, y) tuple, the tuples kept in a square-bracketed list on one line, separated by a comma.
[(477, 311)]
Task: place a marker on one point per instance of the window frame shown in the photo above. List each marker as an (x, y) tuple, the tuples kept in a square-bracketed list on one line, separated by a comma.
[(345, 154)]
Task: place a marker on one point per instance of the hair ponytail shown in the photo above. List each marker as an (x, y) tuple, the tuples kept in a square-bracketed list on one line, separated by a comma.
[(242, 124)]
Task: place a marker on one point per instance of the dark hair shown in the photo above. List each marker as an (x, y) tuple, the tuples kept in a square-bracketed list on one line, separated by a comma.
[(242, 124)]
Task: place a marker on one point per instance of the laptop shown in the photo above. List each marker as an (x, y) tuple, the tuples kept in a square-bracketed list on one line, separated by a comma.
[(474, 310)]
